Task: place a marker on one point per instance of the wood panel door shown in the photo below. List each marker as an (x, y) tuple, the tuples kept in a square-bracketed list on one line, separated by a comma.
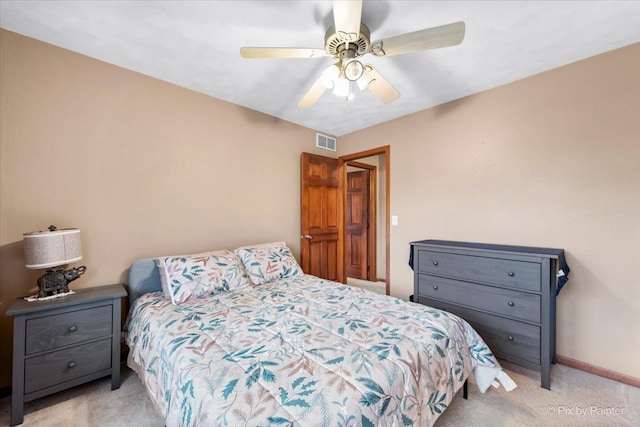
[(321, 217), (357, 223)]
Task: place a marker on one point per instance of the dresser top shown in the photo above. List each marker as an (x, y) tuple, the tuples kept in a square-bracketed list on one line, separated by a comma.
[(547, 252), (81, 296)]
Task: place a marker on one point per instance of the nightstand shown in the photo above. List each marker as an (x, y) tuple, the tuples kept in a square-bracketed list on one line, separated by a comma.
[(64, 342)]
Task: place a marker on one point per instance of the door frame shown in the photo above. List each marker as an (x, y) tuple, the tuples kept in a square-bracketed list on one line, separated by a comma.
[(386, 150), (372, 214)]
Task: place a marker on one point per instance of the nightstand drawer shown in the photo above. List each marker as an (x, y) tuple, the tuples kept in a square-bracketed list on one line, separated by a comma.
[(502, 272), (65, 365), (514, 304), (46, 333)]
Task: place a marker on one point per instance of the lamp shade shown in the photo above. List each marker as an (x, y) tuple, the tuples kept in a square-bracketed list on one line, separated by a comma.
[(44, 249)]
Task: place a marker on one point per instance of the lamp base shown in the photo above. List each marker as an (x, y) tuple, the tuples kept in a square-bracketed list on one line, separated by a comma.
[(56, 281)]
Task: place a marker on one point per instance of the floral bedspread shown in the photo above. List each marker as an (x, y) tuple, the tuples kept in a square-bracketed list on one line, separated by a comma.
[(300, 351)]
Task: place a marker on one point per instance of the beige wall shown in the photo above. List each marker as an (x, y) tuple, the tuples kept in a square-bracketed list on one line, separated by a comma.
[(552, 160), (142, 167)]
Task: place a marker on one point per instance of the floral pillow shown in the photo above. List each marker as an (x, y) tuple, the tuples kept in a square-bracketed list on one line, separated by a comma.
[(268, 262), (194, 276), (163, 273)]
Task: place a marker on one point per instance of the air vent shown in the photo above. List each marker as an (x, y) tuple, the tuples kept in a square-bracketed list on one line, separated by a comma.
[(326, 142)]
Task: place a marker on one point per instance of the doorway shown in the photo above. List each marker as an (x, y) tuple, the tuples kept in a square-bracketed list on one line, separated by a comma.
[(366, 202), (360, 221)]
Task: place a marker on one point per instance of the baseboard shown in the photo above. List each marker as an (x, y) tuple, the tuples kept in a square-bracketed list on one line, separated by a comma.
[(597, 370), (381, 280), (5, 391)]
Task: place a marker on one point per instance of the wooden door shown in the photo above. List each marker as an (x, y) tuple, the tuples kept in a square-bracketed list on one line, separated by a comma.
[(357, 223), (321, 213)]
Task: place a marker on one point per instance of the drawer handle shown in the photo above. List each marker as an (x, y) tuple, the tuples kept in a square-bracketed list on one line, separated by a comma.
[(511, 274), (511, 303), (73, 328), (435, 262), (71, 365), (435, 288), (510, 338)]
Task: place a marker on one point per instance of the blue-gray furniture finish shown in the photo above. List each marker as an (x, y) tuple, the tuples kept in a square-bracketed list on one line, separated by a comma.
[(64, 342), (507, 293)]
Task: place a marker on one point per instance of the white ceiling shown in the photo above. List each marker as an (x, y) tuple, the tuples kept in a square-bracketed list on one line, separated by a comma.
[(195, 44)]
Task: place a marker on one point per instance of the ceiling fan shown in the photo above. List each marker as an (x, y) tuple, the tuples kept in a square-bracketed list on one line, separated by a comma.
[(347, 41)]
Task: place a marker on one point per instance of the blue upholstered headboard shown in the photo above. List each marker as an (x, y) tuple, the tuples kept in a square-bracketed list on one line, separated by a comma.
[(143, 278)]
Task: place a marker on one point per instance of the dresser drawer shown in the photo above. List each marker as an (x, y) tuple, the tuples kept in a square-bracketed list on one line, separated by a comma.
[(503, 272), (65, 365), (506, 338), (509, 341), (518, 305), (46, 333)]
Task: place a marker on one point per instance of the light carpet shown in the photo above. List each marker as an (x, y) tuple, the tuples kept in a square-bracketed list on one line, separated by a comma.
[(576, 398)]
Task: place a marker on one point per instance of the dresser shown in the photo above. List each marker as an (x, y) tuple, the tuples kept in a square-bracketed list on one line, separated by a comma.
[(64, 342), (507, 293)]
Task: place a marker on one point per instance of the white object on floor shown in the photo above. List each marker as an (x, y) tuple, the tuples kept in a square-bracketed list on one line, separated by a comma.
[(486, 376), (506, 381)]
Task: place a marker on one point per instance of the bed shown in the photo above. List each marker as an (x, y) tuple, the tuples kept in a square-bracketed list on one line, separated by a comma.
[(298, 350)]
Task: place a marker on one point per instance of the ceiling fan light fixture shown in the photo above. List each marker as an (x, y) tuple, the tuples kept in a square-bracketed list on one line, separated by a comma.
[(353, 69), (351, 95), (329, 76), (341, 88), (365, 79)]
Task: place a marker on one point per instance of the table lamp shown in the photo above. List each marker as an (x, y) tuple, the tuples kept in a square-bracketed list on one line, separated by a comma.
[(51, 250)]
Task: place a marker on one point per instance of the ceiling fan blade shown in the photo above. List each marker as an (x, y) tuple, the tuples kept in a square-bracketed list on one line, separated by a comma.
[(346, 17), (281, 52), (430, 38), (313, 95), (381, 87)]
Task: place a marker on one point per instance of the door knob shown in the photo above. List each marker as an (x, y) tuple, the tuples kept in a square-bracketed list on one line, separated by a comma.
[(306, 236)]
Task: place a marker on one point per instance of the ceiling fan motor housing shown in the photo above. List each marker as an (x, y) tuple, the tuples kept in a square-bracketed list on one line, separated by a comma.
[(334, 43)]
